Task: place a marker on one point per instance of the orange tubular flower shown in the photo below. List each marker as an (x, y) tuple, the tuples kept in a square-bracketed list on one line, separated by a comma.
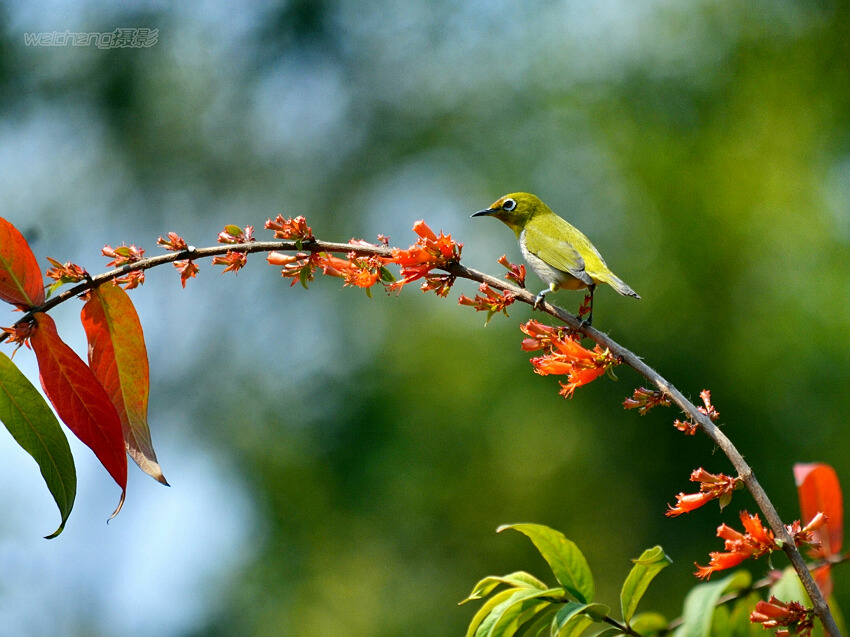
[(540, 336), (689, 427), (233, 261), (516, 273), (20, 334), (712, 487), (579, 378), (358, 271), (645, 399), (67, 273), (430, 251), (174, 243), (687, 502), (362, 272), (277, 258), (123, 254), (739, 546), (492, 301), (235, 234), (187, 268), (565, 356), (719, 562), (296, 228), (793, 615)]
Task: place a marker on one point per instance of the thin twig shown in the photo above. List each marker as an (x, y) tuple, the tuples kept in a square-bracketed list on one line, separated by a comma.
[(821, 608)]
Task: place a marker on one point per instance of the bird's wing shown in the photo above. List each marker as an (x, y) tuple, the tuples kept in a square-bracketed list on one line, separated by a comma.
[(557, 252)]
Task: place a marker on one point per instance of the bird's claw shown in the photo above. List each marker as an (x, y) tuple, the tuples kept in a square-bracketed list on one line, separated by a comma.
[(538, 300)]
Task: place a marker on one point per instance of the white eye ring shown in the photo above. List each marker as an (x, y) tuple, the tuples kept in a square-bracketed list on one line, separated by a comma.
[(508, 204)]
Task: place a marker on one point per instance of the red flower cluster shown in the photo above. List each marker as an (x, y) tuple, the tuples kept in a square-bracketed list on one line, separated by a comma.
[(358, 271), (67, 273), (290, 228), (645, 399), (235, 234), (805, 535), (20, 334), (755, 542), (429, 252), (689, 427), (233, 260), (712, 487), (123, 255), (441, 284), (791, 615), (739, 546), (174, 243), (565, 356), (492, 302), (186, 267), (516, 273)]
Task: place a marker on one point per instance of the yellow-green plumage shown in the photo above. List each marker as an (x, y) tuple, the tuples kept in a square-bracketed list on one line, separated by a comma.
[(558, 253)]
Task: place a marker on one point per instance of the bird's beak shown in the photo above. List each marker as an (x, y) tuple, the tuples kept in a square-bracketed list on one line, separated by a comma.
[(483, 213)]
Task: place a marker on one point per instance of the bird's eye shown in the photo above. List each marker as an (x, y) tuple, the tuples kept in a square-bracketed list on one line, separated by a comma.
[(508, 204)]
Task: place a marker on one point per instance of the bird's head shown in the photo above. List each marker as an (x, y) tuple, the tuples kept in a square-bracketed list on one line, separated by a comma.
[(514, 210)]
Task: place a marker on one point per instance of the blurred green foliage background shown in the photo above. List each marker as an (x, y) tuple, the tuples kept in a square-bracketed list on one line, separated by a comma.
[(339, 464)]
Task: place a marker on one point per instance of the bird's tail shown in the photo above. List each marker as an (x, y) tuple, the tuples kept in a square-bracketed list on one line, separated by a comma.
[(621, 286)]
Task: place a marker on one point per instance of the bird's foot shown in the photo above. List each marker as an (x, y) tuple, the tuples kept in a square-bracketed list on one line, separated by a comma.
[(586, 308), (539, 299)]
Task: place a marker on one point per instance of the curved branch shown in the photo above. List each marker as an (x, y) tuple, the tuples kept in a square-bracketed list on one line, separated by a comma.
[(821, 608)]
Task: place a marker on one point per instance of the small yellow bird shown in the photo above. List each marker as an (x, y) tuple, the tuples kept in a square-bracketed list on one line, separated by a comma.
[(559, 253)]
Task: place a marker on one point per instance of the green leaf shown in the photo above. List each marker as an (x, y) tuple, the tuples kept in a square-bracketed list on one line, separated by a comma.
[(304, 276), (563, 556), (594, 612), (232, 229), (740, 619), (35, 428), (540, 625), (522, 606), (571, 620), (486, 608), (502, 619), (700, 602), (386, 275), (648, 623), (609, 632), (525, 617), (789, 588), (519, 579), (646, 567), (721, 622), (48, 292)]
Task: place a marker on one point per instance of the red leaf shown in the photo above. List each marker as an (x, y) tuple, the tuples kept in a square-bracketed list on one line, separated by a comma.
[(20, 279), (823, 578), (119, 359), (79, 399), (820, 491)]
